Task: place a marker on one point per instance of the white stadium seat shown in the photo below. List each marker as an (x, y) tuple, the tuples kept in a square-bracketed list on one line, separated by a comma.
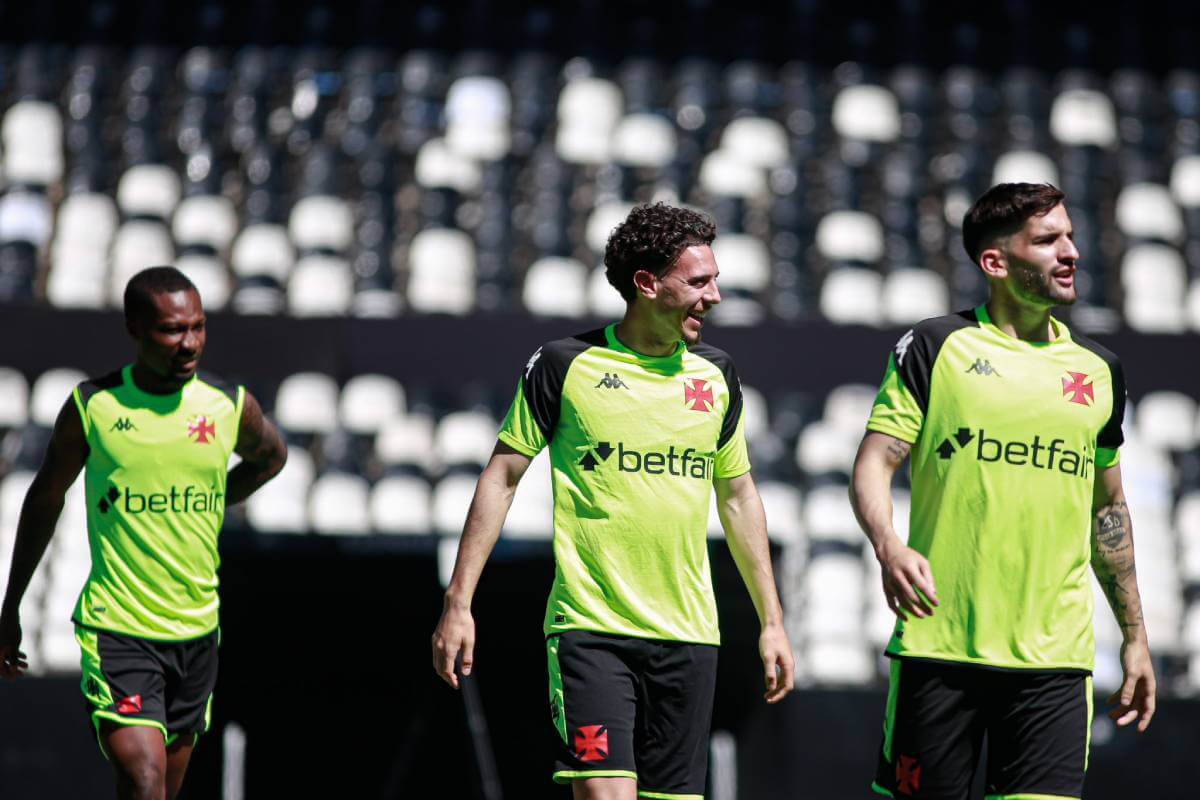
[(477, 117), (1167, 420), (320, 286), (138, 244), (406, 441), (32, 135), (211, 278), (205, 220), (25, 217), (744, 262), (451, 499), (50, 392), (603, 298), (307, 402), (833, 597), (828, 516), (852, 295), (14, 398), (150, 190), (850, 236), (556, 287), (644, 140), (369, 401), (465, 437), (822, 447), (589, 110), (1080, 117), (401, 504), (757, 141), (844, 662), (263, 249), (602, 222), (338, 504), (86, 219), (531, 515), (1147, 211), (281, 506), (911, 295), (784, 510), (1185, 181), (1154, 278), (321, 222), (438, 166), (725, 174), (756, 413), (441, 272), (1024, 166), (848, 406), (866, 112)]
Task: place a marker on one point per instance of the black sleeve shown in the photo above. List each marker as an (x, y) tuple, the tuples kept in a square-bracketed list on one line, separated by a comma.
[(92, 386), (1111, 435), (917, 350), (545, 374), (723, 362)]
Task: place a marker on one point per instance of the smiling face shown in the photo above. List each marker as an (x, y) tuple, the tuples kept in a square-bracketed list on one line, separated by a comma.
[(1040, 260), (685, 293), (171, 338)]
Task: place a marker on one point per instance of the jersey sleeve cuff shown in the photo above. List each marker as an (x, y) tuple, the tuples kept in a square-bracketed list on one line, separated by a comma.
[(1107, 457), (736, 472), (518, 445), (891, 430)]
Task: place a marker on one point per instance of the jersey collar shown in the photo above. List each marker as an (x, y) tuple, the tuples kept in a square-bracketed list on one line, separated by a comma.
[(610, 334), (1061, 333)]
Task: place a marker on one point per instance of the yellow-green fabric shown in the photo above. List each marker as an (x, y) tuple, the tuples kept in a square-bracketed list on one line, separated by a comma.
[(635, 444), (155, 487), (1007, 437)]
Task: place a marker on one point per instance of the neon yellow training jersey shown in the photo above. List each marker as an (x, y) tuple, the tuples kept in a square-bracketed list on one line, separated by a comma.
[(155, 485), (1007, 438), (635, 444)]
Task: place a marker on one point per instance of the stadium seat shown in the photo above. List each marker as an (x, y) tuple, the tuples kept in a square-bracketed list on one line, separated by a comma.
[(369, 401), (138, 244), (13, 488), (757, 141), (477, 117), (783, 507), (465, 437), (208, 220), (1167, 420), (50, 392), (320, 286), (307, 403), (744, 262), (321, 223), (822, 447), (850, 236), (407, 442), (262, 249), (866, 112), (451, 499), (833, 598), (828, 517), (1080, 117), (531, 515), (756, 414), (723, 174), (589, 110), (14, 399), (25, 217), (555, 287), (1024, 166), (86, 219), (839, 663), (441, 265), (644, 140), (148, 190), (1154, 278), (338, 504), (400, 504), (602, 222), (210, 277), (32, 134), (440, 167), (281, 506), (1147, 211), (911, 295), (1185, 181), (603, 300), (851, 295)]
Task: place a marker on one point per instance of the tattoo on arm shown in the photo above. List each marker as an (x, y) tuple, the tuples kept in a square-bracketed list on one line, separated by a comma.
[(898, 450), (1113, 563)]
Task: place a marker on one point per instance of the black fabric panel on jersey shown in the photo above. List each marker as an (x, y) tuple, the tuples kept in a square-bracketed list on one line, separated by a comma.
[(917, 351), (723, 362), (1110, 435), (226, 388), (547, 371), (92, 386)]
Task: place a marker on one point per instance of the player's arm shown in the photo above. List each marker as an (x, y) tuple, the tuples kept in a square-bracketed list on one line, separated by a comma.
[(262, 451), (907, 579), (60, 467), (1113, 563), (745, 524), (455, 632)]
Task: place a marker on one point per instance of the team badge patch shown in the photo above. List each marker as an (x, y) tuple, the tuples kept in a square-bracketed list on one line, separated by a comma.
[(130, 705), (698, 393), (591, 743), (1080, 392), (908, 775), (201, 429)]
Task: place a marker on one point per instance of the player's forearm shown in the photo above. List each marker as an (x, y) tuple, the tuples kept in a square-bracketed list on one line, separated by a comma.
[(1113, 563), (489, 507), (745, 526), (871, 499), (35, 527), (247, 477)]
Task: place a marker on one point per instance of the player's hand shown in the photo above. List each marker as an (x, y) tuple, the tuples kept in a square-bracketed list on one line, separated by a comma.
[(907, 581), (454, 639), (778, 663), (12, 661), (1135, 699)]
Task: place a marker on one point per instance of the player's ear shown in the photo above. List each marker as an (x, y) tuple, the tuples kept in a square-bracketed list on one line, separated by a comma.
[(993, 263), (645, 284)]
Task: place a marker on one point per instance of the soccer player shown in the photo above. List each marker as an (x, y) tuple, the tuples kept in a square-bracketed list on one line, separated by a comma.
[(642, 421), (154, 439), (1014, 424)]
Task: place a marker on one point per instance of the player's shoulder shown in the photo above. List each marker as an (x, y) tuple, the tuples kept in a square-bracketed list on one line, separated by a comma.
[(931, 333), (1100, 351), (213, 381), (556, 355), (89, 388), (714, 355)]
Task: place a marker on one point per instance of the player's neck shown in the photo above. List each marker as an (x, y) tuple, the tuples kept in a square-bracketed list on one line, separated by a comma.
[(148, 382), (639, 333), (1018, 320)]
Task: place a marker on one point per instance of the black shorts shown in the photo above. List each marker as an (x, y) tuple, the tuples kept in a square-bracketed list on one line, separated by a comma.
[(131, 681), (635, 708), (1037, 725)]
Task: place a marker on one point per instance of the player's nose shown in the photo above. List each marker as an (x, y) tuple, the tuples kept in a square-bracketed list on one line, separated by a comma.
[(713, 295)]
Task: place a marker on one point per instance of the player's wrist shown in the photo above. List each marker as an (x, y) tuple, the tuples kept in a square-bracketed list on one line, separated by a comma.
[(456, 600)]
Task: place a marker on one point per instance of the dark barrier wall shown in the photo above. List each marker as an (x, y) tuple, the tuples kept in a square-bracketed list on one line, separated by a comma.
[(325, 662), (490, 349)]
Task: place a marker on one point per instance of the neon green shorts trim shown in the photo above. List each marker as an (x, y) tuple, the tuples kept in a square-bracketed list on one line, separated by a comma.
[(566, 776)]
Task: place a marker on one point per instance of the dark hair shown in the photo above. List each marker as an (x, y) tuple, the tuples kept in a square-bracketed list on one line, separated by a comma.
[(1002, 211), (140, 291), (651, 238)]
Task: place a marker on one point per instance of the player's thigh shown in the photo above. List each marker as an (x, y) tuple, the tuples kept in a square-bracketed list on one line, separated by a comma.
[(123, 682), (137, 753), (1038, 737), (671, 740), (933, 730), (593, 705)]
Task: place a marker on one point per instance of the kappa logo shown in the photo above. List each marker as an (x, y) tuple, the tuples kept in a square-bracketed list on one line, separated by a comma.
[(202, 429), (699, 394), (123, 425), (908, 775), (591, 743), (983, 367), (611, 382), (1082, 393), (902, 347)]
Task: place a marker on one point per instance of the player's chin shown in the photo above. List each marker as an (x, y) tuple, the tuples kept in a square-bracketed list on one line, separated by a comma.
[(691, 330)]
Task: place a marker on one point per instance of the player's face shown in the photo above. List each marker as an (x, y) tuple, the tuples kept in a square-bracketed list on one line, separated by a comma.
[(687, 291), (1042, 260), (171, 340)]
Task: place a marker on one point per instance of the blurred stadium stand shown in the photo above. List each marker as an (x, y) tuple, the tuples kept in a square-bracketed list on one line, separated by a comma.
[(388, 207)]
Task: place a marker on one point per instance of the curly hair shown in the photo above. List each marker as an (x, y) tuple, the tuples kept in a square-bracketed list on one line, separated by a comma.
[(651, 238), (1002, 211)]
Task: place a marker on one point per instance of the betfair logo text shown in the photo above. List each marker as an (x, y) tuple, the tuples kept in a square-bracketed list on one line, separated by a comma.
[(681, 464), (1036, 453), (188, 500)]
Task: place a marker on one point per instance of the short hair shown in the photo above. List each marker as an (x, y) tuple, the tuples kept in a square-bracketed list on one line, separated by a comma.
[(651, 238), (140, 291), (1003, 209)]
